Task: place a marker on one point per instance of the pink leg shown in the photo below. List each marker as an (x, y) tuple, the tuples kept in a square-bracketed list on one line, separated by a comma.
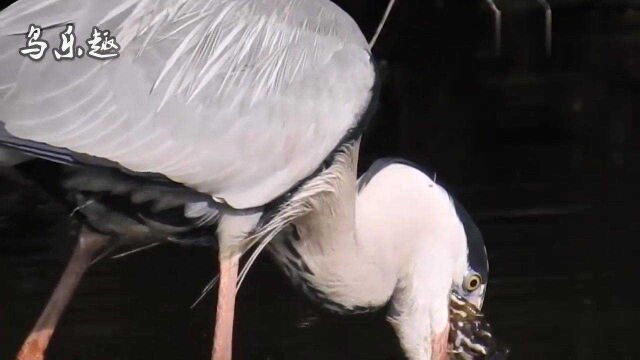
[(440, 345), (36, 344), (222, 341)]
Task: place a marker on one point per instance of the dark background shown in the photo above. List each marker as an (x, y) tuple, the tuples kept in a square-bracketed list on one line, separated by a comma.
[(543, 150)]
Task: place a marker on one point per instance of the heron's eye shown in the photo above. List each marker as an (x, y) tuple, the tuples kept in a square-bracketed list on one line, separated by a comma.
[(472, 282)]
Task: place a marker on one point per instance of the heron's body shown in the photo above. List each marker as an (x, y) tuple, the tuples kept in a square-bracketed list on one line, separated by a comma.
[(233, 119), (198, 89), (225, 97)]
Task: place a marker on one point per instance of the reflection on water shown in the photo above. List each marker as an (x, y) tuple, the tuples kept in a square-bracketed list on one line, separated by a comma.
[(553, 295)]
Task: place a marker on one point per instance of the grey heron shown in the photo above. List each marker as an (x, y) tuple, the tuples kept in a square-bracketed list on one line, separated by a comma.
[(237, 120)]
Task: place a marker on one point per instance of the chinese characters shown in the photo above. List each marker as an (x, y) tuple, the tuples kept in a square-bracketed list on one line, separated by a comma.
[(36, 48), (68, 50), (101, 45)]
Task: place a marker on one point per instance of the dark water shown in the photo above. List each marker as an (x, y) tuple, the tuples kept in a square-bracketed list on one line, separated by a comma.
[(544, 151), (556, 292)]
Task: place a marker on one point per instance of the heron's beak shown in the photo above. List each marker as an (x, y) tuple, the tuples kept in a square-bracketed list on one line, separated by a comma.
[(477, 298), (470, 336)]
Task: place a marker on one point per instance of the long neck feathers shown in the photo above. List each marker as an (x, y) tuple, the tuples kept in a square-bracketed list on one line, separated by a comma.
[(342, 256), (325, 202), (331, 217)]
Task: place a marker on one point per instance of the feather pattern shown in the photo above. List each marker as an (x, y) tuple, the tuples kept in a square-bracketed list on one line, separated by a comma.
[(302, 202), (239, 99), (135, 210)]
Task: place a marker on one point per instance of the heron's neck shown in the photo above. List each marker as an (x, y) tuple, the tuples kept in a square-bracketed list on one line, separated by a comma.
[(332, 221), (398, 239), (402, 241), (342, 262)]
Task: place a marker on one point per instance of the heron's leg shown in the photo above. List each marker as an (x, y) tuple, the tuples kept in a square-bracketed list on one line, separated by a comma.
[(232, 230), (222, 345), (89, 243)]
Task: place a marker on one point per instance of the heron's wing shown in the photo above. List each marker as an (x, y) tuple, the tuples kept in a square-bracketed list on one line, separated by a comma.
[(240, 99), (129, 207)]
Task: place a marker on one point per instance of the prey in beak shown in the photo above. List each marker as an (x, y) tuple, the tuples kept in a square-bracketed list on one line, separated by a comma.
[(470, 336)]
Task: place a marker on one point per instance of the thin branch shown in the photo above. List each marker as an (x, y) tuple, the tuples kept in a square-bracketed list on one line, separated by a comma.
[(548, 22), (381, 25), (497, 24)]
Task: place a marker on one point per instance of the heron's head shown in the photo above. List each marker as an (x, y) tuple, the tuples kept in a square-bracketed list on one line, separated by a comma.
[(470, 334), (444, 269), (470, 283), (439, 261)]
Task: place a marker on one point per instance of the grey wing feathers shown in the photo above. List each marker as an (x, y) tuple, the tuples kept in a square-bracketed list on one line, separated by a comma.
[(94, 185), (34, 149), (239, 99), (135, 208)]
